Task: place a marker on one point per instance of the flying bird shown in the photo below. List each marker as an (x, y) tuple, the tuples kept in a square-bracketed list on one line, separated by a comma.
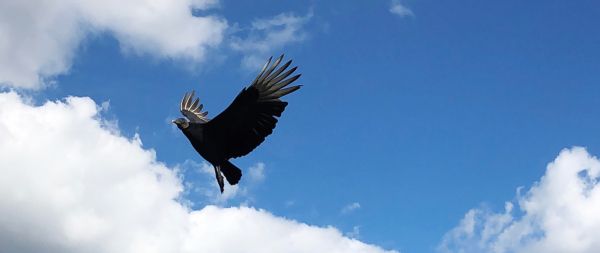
[(243, 125)]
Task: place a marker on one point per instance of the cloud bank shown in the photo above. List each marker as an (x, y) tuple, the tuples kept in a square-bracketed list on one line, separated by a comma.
[(71, 183), (560, 213), (38, 39)]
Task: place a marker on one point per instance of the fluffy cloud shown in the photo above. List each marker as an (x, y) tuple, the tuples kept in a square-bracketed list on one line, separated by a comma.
[(71, 184), (557, 214), (38, 39), (266, 35), (397, 8)]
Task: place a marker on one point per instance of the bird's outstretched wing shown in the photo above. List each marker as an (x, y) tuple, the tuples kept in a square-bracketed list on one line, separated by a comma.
[(252, 115), (192, 110)]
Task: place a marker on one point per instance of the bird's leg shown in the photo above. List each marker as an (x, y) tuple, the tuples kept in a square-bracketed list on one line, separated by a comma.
[(219, 178)]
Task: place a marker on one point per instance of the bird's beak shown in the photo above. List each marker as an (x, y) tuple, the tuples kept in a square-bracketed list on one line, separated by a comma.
[(173, 121)]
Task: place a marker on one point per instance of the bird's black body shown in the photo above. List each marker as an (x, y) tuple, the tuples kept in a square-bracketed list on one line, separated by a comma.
[(241, 127)]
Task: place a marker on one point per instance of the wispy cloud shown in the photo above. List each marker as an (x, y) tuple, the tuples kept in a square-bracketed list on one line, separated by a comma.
[(267, 36), (289, 203), (355, 233), (256, 173), (350, 207), (396, 7), (557, 214)]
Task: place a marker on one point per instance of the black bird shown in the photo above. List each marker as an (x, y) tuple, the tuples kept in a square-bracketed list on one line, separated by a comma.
[(243, 125)]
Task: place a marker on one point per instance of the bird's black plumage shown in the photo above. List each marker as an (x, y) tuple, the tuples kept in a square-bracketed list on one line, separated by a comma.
[(243, 125)]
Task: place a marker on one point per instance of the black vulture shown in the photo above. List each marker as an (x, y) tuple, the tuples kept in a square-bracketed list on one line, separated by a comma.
[(241, 127)]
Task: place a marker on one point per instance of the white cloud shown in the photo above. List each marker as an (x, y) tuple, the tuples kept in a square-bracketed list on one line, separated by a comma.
[(69, 184), (355, 233), (350, 207), (38, 39), (256, 173), (558, 214), (266, 36), (399, 9)]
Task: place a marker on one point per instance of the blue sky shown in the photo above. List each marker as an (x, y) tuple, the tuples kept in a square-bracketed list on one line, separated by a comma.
[(417, 118)]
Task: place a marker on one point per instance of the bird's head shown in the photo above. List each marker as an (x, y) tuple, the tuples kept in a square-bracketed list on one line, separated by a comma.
[(181, 123)]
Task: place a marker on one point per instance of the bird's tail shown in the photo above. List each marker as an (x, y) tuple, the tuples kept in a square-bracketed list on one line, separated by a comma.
[(232, 173)]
